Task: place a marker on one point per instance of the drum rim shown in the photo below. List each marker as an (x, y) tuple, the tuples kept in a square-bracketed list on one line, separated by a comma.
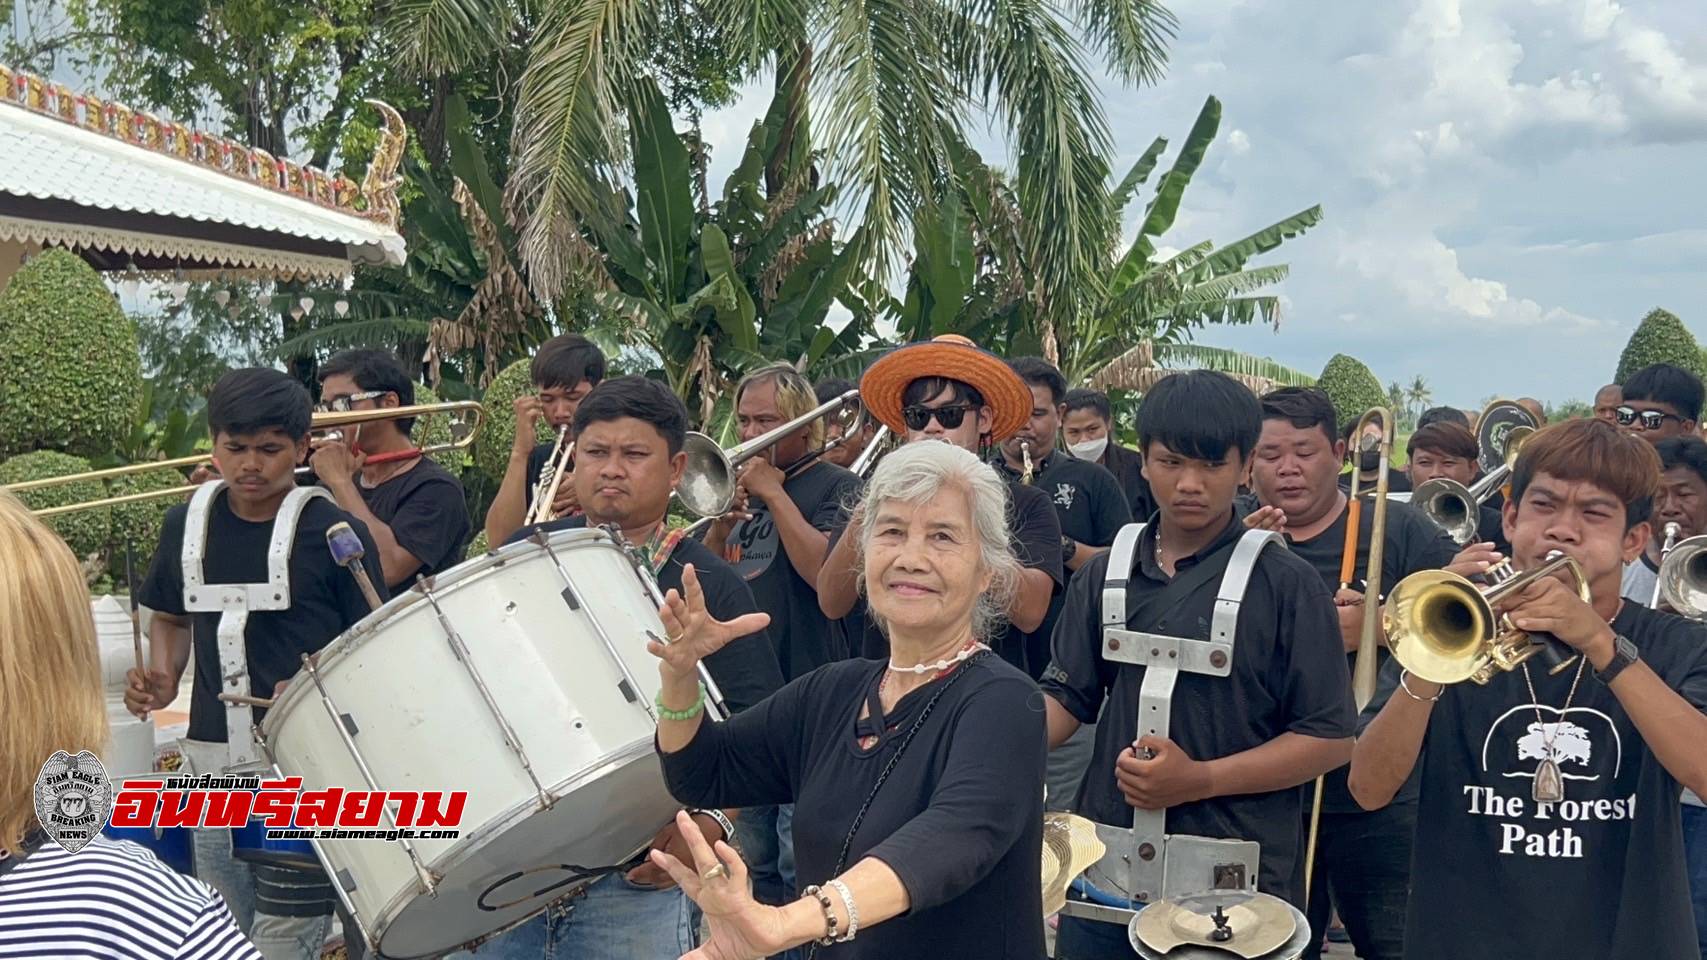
[(464, 847), (447, 582)]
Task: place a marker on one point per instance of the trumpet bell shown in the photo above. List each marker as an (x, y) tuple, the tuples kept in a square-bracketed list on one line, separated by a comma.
[(1439, 626), (1683, 577), (1451, 506)]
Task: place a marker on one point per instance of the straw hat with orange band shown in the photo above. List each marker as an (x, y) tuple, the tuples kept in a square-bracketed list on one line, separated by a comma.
[(948, 357)]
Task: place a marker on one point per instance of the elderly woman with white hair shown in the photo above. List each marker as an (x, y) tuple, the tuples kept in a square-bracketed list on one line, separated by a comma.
[(918, 781)]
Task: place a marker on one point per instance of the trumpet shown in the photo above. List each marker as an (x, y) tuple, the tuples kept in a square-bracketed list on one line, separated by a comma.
[(1682, 580), (1442, 628), (322, 427), (550, 478), (1025, 452), (708, 482), (1454, 507)]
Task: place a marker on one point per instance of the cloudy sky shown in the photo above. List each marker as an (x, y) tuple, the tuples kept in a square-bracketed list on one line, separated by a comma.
[(1509, 185)]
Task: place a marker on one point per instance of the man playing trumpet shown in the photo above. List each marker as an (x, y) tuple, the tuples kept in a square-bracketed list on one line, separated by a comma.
[(565, 369), (1548, 817)]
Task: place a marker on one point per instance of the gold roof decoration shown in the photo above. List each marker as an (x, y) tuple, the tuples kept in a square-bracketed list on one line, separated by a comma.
[(375, 200)]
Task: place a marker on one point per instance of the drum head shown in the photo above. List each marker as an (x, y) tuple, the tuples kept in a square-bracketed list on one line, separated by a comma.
[(1259, 927), (1497, 421)]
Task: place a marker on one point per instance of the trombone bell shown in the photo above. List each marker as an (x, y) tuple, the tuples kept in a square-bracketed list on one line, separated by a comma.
[(1451, 506)]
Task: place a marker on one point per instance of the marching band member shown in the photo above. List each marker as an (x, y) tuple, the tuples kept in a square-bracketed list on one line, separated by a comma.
[(776, 539), (1660, 401), (413, 508), (1365, 460), (629, 433), (1363, 859), (1607, 400), (1548, 820), (1448, 414), (949, 390), (1087, 427), (845, 453), (259, 420), (1445, 449), (1682, 500), (109, 896), (1241, 744), (564, 370), (921, 773)]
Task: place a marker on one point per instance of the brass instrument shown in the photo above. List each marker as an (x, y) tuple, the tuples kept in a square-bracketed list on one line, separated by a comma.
[(1443, 628), (1363, 674), (881, 441), (1494, 426), (1454, 507), (708, 482), (1672, 530), (1682, 580), (550, 478), (1025, 452), (323, 426)]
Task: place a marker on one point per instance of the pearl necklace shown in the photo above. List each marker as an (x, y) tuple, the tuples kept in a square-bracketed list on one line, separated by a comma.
[(940, 665)]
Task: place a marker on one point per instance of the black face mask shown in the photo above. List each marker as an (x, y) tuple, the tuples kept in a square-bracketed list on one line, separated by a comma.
[(1368, 460)]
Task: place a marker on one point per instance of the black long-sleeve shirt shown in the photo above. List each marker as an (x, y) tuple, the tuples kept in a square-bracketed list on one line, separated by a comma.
[(959, 820)]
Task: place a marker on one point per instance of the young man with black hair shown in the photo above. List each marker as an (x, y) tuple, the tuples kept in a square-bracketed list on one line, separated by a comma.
[(1088, 500), (1660, 401), (1448, 414), (905, 390), (1087, 428), (413, 508), (1241, 744), (259, 420), (1548, 821), (845, 453), (564, 370), (629, 433), (1445, 450), (1362, 859)]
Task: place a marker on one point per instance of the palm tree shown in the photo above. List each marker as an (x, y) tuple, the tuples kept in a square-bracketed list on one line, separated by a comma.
[(893, 83), (1398, 403), (1419, 395)]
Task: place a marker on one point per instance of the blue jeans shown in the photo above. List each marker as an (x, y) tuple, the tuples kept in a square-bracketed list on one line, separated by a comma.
[(1363, 864), (611, 919), (1695, 856)]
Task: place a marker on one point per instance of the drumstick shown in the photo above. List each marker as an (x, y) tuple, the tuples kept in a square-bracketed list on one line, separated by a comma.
[(135, 615), (245, 700), (347, 551)]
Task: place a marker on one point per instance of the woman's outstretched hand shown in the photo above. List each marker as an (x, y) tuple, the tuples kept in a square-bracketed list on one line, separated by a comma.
[(691, 633)]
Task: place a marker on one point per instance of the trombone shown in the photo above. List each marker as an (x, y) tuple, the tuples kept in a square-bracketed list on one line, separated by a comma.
[(322, 426), (1443, 628), (880, 442), (1454, 507), (707, 488), (1682, 580)]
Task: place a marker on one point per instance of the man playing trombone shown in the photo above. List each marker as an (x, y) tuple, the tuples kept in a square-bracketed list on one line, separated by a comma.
[(1682, 502), (413, 507), (1547, 821)]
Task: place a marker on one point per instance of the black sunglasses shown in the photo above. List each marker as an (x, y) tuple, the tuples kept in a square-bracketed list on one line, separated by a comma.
[(1651, 419), (918, 416)]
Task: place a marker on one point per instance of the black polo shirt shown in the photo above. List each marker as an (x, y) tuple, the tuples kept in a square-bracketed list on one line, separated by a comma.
[(428, 515), (1398, 481), (1413, 543), (1289, 675)]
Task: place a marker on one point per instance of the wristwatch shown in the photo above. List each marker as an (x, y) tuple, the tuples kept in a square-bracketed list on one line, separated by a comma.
[(1069, 546), (1623, 654), (722, 821)]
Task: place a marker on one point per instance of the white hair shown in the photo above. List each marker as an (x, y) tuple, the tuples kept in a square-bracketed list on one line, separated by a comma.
[(917, 472)]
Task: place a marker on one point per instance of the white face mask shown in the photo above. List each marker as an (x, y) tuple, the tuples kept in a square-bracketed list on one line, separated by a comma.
[(1089, 449)]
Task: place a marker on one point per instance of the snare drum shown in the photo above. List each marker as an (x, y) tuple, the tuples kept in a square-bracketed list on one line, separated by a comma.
[(546, 724)]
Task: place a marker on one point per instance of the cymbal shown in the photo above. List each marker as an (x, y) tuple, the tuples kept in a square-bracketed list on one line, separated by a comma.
[(1070, 845), (1257, 926)]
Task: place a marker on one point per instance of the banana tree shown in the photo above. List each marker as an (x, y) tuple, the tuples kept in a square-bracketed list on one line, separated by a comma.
[(708, 294)]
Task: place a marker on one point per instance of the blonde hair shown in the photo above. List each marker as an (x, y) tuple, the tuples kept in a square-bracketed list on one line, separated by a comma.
[(794, 396), (50, 669)]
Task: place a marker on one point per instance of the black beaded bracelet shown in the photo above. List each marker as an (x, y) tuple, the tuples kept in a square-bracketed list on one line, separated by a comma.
[(817, 893)]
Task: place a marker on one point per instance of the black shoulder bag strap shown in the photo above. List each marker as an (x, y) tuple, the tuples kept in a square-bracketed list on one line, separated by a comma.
[(1150, 613)]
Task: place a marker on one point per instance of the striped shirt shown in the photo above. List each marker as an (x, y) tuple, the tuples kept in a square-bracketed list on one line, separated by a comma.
[(112, 900)]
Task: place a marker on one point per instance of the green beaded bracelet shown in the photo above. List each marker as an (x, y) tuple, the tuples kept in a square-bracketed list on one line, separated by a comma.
[(665, 713)]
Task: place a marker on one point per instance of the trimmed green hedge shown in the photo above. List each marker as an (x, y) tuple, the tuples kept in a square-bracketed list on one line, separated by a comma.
[(1661, 338), (1351, 386), (87, 531)]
